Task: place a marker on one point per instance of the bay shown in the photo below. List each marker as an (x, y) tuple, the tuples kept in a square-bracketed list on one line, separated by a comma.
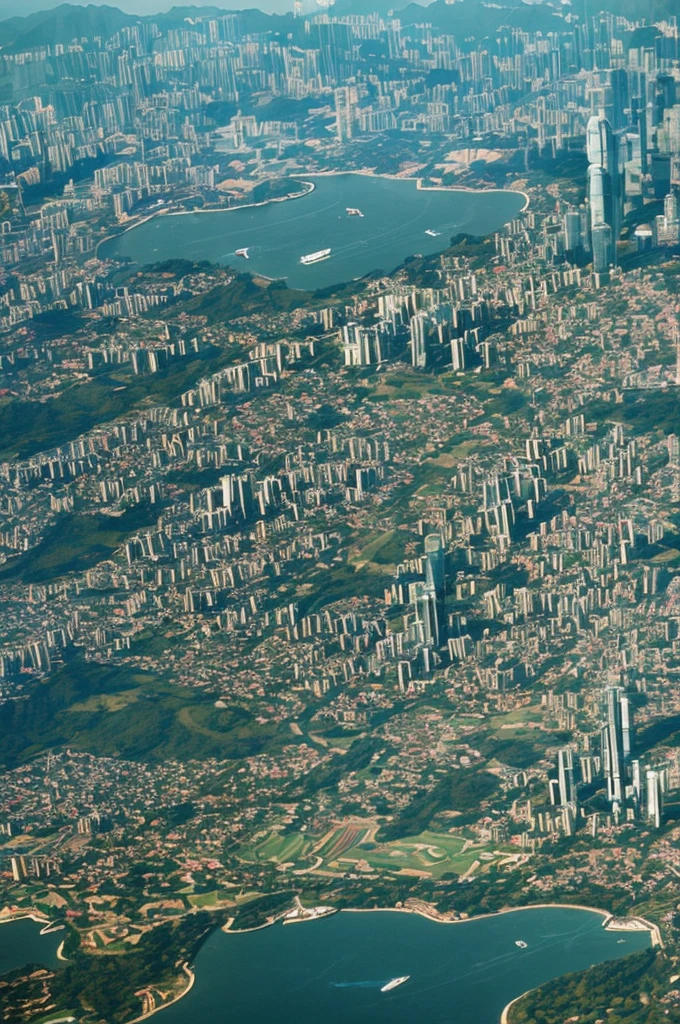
[(21, 943), (397, 215), (332, 969)]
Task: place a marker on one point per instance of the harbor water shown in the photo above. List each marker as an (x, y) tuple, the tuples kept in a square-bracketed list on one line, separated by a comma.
[(399, 220), (333, 969), (21, 943)]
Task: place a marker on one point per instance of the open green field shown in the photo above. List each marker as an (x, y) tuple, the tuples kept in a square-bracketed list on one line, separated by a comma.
[(436, 853), (432, 852), (107, 701), (279, 848), (205, 899), (405, 382), (385, 548), (55, 1015), (521, 718)]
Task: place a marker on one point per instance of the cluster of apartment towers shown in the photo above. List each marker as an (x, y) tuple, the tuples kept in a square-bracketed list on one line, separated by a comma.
[(633, 792), (618, 162)]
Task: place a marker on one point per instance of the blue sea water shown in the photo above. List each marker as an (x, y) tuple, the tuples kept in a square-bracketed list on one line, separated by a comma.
[(332, 969), (397, 217)]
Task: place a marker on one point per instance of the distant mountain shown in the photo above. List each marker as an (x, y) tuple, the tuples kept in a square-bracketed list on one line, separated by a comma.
[(60, 25), (480, 19), (69, 21), (464, 18), (651, 10)]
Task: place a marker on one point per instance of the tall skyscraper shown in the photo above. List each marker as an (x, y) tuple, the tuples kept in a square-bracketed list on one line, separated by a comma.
[(435, 579), (572, 230), (616, 742), (605, 190), (602, 243), (419, 341), (620, 101), (565, 776), (343, 114), (425, 607), (655, 789), (640, 122)]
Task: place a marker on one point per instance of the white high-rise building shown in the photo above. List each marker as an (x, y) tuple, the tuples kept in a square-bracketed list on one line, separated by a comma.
[(344, 113)]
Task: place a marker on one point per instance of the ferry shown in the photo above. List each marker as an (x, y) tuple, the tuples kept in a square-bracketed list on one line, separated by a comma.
[(315, 257), (394, 983), (431, 233), (353, 212), (521, 944), (242, 252)]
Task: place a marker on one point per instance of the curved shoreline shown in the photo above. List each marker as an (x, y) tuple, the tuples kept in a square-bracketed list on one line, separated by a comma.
[(180, 995), (30, 915), (420, 187), (436, 918), (429, 913), (426, 188), (505, 1016), (247, 206), (167, 212), (650, 926)]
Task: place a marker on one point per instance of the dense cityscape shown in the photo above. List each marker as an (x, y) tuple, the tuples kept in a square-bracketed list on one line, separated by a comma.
[(362, 596)]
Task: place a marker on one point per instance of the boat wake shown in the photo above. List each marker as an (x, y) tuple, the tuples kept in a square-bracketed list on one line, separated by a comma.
[(356, 984)]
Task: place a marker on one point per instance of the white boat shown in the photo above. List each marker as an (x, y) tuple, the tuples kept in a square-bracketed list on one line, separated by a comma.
[(242, 252), (315, 257), (394, 983), (521, 944), (353, 212), (431, 233)]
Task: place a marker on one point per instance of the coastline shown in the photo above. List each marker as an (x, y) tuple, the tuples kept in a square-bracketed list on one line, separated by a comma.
[(423, 910), (245, 206), (167, 212), (29, 916), (426, 188), (649, 926), (420, 187), (505, 1016), (180, 995), (431, 915)]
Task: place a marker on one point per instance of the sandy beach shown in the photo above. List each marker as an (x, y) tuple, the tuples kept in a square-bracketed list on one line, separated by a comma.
[(424, 188)]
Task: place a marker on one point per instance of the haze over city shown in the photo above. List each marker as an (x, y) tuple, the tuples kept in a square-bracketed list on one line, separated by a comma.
[(340, 512)]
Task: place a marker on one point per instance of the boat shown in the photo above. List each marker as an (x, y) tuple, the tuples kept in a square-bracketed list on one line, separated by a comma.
[(243, 252), (521, 944), (315, 257), (353, 212), (394, 983), (431, 233)]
